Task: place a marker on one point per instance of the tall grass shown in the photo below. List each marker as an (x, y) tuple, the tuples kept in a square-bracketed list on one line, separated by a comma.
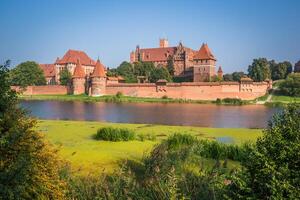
[(114, 134)]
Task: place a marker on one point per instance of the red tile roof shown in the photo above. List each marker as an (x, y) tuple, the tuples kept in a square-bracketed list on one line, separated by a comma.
[(73, 55), (48, 69), (157, 54), (204, 53), (78, 71), (99, 70)]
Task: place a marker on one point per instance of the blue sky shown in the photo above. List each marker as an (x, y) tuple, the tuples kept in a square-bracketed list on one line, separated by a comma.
[(236, 31)]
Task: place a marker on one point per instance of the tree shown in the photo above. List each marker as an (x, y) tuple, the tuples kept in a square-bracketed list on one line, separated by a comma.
[(272, 169), (65, 77), (236, 76), (259, 70), (143, 68), (160, 73), (126, 70), (227, 77), (27, 73), (291, 86), (280, 70), (170, 66), (29, 166)]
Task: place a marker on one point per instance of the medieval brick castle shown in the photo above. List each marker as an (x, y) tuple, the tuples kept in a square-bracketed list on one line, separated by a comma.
[(89, 76), (193, 65)]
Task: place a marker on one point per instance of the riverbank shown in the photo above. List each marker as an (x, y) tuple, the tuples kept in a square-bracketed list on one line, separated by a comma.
[(128, 99), (76, 143)]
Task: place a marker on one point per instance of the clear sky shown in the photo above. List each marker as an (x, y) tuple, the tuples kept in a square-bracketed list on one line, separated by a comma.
[(236, 31)]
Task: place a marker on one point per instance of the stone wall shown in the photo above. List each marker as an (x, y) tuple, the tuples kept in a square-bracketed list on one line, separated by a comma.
[(195, 91), (187, 90), (43, 89)]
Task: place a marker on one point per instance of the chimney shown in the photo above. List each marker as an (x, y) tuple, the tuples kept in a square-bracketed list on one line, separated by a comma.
[(163, 43)]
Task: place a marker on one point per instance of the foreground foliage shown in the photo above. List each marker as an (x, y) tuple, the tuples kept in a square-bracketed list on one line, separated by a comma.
[(29, 166)]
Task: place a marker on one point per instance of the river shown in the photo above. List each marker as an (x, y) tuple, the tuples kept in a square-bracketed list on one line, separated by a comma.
[(204, 115)]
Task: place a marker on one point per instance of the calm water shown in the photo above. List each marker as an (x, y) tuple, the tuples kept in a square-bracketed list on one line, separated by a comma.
[(205, 115)]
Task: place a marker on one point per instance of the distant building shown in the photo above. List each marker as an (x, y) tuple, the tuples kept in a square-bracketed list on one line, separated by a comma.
[(297, 67), (195, 65), (49, 73)]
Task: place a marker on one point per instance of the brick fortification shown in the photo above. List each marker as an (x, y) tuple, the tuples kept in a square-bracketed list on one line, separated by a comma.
[(89, 77), (245, 90)]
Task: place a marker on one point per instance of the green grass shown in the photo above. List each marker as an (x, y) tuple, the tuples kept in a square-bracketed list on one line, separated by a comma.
[(109, 98), (75, 139), (285, 99)]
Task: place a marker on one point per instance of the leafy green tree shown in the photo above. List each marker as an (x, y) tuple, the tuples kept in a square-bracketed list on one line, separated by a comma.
[(27, 73), (227, 77), (127, 71), (280, 70), (291, 86), (160, 73), (65, 77), (259, 70), (272, 169), (29, 166), (236, 76), (170, 66), (143, 68)]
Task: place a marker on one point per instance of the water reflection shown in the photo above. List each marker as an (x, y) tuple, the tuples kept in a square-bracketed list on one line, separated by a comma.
[(206, 115)]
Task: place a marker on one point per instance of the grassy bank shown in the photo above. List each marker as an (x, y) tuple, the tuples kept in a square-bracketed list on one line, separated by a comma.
[(109, 98), (85, 154), (128, 99)]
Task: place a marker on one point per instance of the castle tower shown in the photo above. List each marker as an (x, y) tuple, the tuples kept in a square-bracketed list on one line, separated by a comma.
[(163, 43), (98, 80), (204, 64), (220, 73), (78, 79)]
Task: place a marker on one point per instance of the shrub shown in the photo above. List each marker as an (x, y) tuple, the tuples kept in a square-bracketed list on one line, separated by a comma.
[(164, 97), (115, 134), (291, 86), (233, 101), (119, 94)]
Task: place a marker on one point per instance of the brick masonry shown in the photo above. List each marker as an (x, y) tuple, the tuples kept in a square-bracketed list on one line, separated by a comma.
[(187, 90)]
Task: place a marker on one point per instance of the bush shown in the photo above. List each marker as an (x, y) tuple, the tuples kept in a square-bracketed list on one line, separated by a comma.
[(291, 86), (114, 134), (232, 101), (119, 94), (164, 97)]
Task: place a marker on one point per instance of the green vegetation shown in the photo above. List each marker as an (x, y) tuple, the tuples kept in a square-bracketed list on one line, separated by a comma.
[(259, 70), (27, 73), (110, 98), (272, 168), (87, 154), (29, 166), (291, 86), (130, 72), (115, 134), (176, 169), (231, 101), (235, 76), (280, 70), (65, 77)]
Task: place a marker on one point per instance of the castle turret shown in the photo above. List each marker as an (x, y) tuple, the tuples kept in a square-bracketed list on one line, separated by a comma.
[(204, 64), (78, 79), (98, 80), (220, 73), (163, 43)]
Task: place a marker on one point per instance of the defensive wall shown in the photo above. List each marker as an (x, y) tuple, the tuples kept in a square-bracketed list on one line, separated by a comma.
[(187, 90)]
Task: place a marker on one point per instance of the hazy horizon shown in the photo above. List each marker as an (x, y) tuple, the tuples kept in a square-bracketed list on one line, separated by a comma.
[(236, 31)]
